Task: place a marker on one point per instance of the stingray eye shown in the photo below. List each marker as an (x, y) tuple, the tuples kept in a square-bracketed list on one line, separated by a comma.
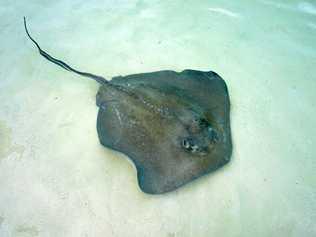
[(203, 122), (186, 143), (190, 145)]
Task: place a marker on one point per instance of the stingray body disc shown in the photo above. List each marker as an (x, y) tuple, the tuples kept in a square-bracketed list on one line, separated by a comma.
[(175, 127)]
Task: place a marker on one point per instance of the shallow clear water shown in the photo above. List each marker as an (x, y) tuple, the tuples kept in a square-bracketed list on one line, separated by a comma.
[(55, 178)]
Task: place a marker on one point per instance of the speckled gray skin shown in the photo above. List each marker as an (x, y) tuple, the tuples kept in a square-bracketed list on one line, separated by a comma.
[(174, 126)]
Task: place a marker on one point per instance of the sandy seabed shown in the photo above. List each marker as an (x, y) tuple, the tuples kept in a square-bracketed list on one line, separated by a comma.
[(57, 180)]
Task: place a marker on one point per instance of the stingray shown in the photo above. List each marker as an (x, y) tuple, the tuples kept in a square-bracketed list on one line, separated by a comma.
[(174, 126)]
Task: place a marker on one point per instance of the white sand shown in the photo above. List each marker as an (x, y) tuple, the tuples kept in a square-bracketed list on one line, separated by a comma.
[(57, 180)]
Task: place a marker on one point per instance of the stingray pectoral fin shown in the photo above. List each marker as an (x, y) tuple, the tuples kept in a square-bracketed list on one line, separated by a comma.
[(169, 172), (148, 181), (110, 133), (166, 172), (152, 182)]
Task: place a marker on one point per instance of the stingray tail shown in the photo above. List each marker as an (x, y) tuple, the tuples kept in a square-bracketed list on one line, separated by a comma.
[(62, 64)]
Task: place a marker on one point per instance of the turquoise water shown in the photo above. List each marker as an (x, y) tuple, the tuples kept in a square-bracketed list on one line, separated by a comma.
[(55, 178)]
